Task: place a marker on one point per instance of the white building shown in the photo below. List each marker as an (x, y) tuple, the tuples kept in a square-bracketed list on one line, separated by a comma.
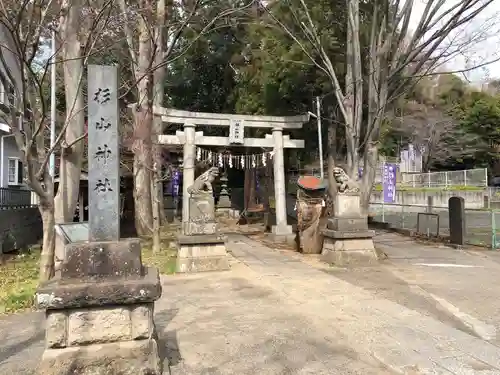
[(11, 166), (410, 160)]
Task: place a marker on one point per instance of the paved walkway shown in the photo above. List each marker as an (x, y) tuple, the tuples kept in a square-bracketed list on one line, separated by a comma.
[(402, 338), (280, 313), (461, 283)]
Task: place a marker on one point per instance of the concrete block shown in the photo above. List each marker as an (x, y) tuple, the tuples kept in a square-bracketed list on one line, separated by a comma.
[(202, 253), (341, 235), (139, 357), (347, 205), (56, 294), (109, 259), (56, 333), (347, 223), (142, 321), (201, 250), (99, 325), (202, 264), (342, 252), (214, 238)]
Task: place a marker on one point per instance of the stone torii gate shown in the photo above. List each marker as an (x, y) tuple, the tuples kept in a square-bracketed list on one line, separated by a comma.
[(189, 138)]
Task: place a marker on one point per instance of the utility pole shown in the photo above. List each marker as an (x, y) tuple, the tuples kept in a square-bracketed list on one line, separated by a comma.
[(52, 166), (320, 140)]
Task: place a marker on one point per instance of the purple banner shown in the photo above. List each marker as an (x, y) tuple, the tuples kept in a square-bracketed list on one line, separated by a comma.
[(360, 173), (389, 183), (176, 178)]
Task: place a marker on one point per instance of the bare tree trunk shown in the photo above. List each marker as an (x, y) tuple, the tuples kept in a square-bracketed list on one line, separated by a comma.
[(249, 188), (156, 213), (266, 186), (353, 102), (45, 192), (143, 125), (369, 172), (158, 97), (157, 207), (349, 97), (332, 152), (71, 163), (71, 149), (48, 244), (142, 174), (246, 190), (253, 191)]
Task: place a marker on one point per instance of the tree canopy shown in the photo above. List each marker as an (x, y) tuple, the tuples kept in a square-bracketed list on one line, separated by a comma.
[(255, 67)]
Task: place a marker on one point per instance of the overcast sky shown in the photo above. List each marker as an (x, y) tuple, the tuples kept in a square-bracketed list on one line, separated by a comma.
[(487, 49)]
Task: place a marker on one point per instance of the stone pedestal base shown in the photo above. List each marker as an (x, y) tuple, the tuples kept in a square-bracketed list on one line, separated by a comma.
[(194, 229), (284, 234), (201, 253), (99, 313), (347, 205), (124, 357), (348, 248)]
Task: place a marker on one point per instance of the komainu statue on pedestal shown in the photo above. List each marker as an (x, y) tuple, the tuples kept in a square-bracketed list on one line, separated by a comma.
[(203, 184), (345, 184), (201, 204)]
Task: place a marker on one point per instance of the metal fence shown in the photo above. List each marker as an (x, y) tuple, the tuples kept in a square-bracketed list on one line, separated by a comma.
[(482, 225), (493, 197), (15, 198), (469, 177)]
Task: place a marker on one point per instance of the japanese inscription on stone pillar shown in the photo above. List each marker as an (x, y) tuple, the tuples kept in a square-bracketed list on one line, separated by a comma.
[(103, 153)]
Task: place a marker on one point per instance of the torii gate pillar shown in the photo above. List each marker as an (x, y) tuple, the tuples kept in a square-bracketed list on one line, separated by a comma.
[(189, 155), (281, 228)]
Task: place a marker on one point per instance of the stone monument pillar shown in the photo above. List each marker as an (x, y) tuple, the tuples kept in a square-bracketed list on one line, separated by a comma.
[(281, 230), (99, 310), (200, 247), (457, 218), (347, 239)]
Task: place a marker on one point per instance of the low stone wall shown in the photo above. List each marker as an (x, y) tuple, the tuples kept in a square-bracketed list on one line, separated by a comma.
[(19, 227), (474, 199)]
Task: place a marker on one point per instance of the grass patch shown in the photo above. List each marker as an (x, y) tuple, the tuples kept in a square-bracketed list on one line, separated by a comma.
[(19, 274), (18, 281), (165, 259)]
